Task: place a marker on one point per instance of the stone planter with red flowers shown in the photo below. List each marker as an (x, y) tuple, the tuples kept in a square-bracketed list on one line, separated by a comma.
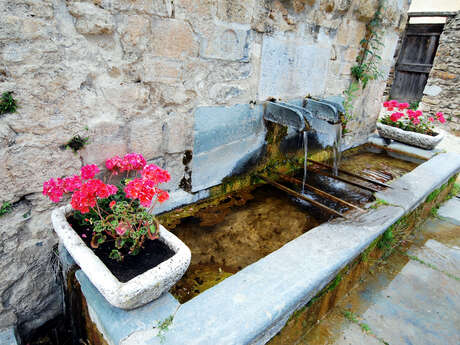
[(410, 126), (111, 233)]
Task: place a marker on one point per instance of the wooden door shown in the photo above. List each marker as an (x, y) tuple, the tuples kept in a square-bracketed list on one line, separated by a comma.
[(415, 61)]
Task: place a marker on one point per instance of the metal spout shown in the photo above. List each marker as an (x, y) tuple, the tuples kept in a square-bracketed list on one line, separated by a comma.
[(324, 110), (287, 115)]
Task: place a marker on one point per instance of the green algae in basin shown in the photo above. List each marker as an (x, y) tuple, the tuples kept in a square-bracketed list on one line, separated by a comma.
[(239, 238), (199, 278)]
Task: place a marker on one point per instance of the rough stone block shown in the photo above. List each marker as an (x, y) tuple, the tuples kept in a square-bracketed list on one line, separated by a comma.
[(156, 7), (432, 90), (172, 38), (365, 9), (350, 32), (178, 132), (287, 71), (134, 31), (201, 10), (146, 137), (127, 97), (158, 69), (235, 11), (226, 44), (91, 19)]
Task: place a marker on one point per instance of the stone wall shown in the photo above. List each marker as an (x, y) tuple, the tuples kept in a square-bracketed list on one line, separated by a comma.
[(441, 91), (131, 75)]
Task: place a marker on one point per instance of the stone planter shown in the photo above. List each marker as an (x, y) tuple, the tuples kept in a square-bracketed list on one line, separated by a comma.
[(137, 291), (423, 141)]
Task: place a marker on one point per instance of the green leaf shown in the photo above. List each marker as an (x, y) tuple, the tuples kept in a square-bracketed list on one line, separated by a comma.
[(116, 255)]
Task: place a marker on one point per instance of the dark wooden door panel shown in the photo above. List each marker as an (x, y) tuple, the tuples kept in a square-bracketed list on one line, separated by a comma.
[(415, 61)]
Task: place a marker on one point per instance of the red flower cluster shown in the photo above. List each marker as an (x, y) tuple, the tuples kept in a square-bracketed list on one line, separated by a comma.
[(71, 183), (155, 173), (144, 189), (396, 116), (86, 190), (440, 117), (53, 188), (86, 197), (131, 161), (413, 116), (84, 194), (89, 171), (391, 105)]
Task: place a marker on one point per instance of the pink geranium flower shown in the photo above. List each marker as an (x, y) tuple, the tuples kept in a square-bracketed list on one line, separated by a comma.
[(53, 188), (89, 171)]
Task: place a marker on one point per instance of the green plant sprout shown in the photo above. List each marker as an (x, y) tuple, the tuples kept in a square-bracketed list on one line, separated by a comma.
[(76, 143), (163, 327), (7, 103), (5, 208)]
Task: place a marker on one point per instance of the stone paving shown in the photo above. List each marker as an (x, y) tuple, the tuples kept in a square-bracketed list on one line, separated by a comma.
[(414, 298)]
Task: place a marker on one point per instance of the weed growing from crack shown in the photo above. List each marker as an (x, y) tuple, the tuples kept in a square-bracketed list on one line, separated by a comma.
[(76, 143), (7, 103), (163, 327), (352, 317), (5, 208)]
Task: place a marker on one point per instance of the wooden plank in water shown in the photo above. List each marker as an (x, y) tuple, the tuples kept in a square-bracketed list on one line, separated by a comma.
[(321, 192), (324, 173), (300, 196), (352, 174)]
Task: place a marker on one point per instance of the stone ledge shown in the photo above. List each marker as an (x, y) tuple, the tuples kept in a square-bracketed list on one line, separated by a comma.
[(411, 189), (402, 151)]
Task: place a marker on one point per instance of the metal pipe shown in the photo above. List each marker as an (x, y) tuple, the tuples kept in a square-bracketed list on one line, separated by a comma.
[(300, 196), (321, 192), (352, 174)]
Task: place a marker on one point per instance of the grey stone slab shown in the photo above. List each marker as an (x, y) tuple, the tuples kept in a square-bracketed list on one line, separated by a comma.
[(286, 68), (8, 337), (116, 324), (412, 188), (226, 43), (420, 306), (209, 168), (450, 211), (445, 258), (217, 126)]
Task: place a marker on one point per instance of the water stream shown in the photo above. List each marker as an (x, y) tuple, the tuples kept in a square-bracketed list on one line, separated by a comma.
[(336, 153), (305, 145)]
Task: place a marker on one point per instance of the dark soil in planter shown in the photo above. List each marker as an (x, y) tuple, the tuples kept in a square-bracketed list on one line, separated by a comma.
[(153, 253)]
